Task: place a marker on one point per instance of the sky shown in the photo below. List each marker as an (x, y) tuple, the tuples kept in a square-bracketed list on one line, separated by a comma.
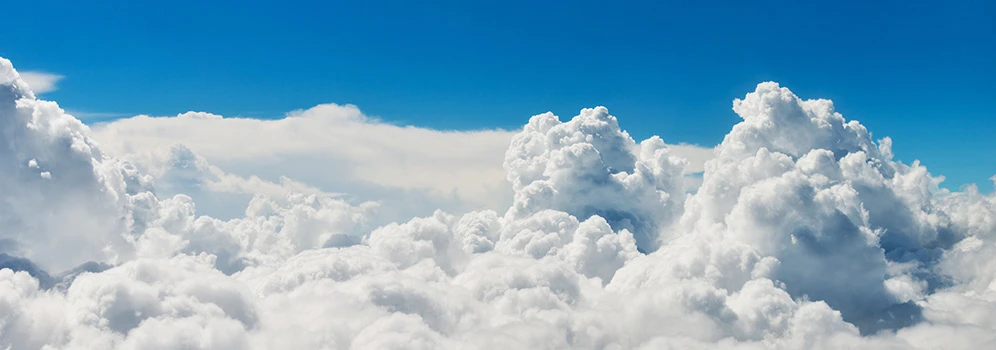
[(919, 72)]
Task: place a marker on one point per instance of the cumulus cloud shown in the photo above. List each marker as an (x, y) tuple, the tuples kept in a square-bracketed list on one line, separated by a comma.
[(587, 166), (804, 234), (332, 148)]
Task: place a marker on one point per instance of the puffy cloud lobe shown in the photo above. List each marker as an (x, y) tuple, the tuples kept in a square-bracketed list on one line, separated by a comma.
[(587, 166), (65, 202), (804, 234), (169, 304), (798, 183)]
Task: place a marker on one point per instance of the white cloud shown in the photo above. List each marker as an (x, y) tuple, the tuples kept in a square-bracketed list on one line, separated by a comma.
[(91, 116), (587, 166), (41, 82), (696, 156), (805, 234), (389, 155), (332, 148)]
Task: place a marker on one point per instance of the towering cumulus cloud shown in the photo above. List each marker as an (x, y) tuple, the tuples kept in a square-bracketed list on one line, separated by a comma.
[(805, 234), (588, 166), (64, 201)]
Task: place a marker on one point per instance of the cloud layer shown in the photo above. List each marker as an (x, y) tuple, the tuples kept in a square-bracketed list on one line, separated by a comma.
[(329, 146), (805, 233), (222, 162)]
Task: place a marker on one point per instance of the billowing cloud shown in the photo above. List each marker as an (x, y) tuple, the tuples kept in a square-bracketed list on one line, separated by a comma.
[(805, 234), (331, 148)]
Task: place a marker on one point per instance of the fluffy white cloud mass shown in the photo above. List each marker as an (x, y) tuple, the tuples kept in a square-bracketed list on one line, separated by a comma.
[(804, 234), (330, 148), (327, 146)]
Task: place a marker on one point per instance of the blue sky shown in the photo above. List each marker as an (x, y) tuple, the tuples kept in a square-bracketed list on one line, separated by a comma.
[(922, 73)]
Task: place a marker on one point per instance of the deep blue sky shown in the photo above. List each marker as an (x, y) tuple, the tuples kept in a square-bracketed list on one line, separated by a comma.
[(922, 73)]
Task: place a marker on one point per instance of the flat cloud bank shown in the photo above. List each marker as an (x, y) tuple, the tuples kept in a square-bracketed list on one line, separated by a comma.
[(805, 233)]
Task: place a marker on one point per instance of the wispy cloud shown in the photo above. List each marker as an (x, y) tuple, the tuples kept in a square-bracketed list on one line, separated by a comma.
[(89, 117), (41, 82)]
